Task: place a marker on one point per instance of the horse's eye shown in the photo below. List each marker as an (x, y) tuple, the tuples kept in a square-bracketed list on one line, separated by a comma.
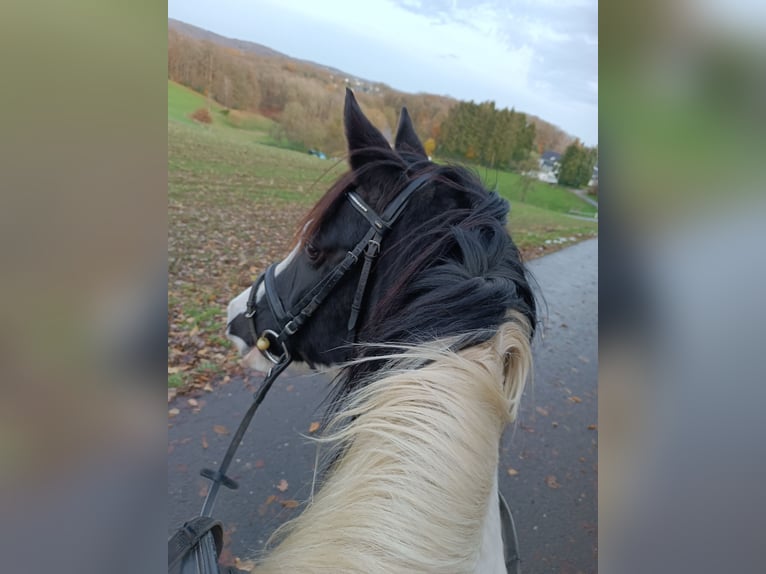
[(312, 252)]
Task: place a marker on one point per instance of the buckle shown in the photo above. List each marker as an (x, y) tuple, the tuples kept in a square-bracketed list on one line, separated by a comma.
[(373, 248), (291, 327)]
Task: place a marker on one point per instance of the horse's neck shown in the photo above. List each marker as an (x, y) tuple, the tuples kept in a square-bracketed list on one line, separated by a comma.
[(416, 486), (492, 555)]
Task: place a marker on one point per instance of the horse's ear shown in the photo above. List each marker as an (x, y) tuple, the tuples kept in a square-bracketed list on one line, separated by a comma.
[(363, 137), (407, 140)]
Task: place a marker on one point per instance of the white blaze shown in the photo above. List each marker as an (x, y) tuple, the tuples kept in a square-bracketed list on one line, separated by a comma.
[(237, 306)]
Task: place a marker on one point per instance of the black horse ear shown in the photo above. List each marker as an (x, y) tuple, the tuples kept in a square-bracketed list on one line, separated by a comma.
[(407, 140), (363, 137)]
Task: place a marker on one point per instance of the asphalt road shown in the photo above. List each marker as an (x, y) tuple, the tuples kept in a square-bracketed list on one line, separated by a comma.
[(548, 468)]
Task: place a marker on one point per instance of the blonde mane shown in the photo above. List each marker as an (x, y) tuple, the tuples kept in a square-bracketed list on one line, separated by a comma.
[(416, 476)]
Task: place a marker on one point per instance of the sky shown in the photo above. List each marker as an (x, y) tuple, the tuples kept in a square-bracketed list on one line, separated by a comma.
[(537, 56)]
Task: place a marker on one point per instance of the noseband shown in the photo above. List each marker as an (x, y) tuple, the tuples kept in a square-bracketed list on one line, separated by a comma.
[(291, 321)]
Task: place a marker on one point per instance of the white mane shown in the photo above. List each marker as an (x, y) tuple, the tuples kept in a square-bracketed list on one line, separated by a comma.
[(417, 478)]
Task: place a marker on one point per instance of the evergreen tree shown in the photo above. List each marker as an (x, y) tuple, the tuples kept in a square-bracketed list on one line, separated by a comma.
[(577, 165)]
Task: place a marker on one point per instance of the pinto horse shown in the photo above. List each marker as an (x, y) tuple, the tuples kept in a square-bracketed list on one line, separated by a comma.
[(404, 274)]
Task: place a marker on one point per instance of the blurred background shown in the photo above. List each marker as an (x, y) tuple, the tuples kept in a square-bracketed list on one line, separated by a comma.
[(84, 284), (682, 273)]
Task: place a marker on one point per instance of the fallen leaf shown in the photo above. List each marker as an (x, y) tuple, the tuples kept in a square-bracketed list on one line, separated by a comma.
[(575, 399), (173, 412), (591, 427), (512, 472), (203, 490), (552, 482), (204, 441), (246, 565), (542, 411), (282, 486), (172, 394), (289, 388), (220, 429), (207, 388), (289, 503), (314, 427), (259, 463), (193, 402)]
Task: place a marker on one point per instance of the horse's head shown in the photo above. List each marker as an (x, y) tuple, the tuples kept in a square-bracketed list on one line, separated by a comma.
[(398, 250)]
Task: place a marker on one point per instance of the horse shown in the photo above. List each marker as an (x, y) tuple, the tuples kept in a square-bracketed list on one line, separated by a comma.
[(405, 276)]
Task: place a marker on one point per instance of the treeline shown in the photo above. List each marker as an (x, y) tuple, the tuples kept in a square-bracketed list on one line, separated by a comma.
[(490, 136), (305, 101)]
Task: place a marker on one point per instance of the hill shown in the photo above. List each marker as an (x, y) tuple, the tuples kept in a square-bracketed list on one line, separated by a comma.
[(248, 47)]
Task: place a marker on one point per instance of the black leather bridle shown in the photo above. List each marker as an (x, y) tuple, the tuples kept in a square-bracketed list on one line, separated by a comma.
[(289, 322)]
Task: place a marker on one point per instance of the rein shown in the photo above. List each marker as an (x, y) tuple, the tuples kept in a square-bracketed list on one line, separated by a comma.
[(370, 244)]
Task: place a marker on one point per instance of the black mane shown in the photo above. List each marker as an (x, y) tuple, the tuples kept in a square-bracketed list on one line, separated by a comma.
[(456, 272)]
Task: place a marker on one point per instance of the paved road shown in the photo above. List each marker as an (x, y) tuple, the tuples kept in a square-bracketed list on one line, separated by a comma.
[(552, 450)]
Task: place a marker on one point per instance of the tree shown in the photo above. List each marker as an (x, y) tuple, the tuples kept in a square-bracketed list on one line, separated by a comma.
[(429, 146), (577, 165), (528, 168)]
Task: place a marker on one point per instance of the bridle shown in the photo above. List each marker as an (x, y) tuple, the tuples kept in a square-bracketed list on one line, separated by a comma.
[(291, 321)]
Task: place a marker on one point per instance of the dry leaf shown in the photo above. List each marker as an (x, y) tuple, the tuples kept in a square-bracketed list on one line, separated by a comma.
[(220, 429), (575, 399), (173, 412), (552, 482), (314, 427), (193, 402), (542, 411), (259, 463), (282, 486), (207, 388), (246, 565), (172, 394), (289, 388), (204, 441), (289, 503), (591, 427), (512, 472)]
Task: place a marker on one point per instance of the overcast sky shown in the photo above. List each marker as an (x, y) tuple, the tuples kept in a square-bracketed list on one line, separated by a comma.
[(539, 56)]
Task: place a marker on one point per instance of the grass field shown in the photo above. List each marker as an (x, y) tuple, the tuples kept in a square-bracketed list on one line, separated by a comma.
[(234, 202)]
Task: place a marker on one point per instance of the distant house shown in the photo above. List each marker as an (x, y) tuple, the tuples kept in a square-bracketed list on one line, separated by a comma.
[(594, 177), (549, 167), (550, 160)]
